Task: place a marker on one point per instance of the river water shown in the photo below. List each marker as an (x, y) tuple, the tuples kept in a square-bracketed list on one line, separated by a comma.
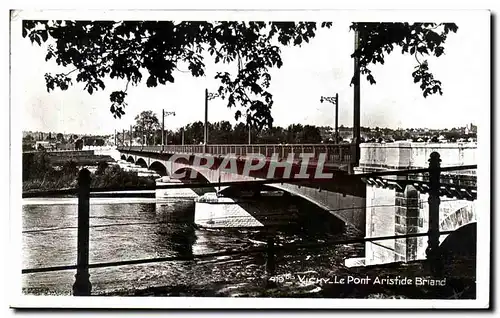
[(139, 228)]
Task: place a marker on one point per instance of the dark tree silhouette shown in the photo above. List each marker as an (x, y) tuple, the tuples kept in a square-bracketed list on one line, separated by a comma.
[(78, 144), (193, 133), (294, 133), (220, 132), (310, 135), (60, 137), (146, 123), (417, 39), (239, 134), (273, 135), (130, 49)]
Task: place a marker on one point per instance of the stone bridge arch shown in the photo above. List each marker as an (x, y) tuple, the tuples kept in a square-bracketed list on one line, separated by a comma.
[(141, 162), (123, 157), (192, 174), (159, 167), (460, 245), (457, 219), (130, 159), (352, 211), (462, 221)]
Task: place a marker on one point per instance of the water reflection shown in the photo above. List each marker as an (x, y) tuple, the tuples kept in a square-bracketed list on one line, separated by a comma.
[(176, 231)]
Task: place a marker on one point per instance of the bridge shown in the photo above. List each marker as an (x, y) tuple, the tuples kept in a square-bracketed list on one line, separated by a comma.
[(225, 163), (377, 206)]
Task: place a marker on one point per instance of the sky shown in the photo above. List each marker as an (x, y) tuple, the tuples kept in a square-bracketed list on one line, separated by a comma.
[(321, 67)]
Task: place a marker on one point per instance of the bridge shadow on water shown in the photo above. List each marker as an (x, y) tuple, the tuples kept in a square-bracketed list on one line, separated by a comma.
[(176, 231)]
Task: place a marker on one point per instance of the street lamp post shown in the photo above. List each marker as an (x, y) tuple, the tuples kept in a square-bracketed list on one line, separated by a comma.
[(164, 113), (333, 100), (131, 136), (143, 133), (208, 96), (249, 134), (356, 124)]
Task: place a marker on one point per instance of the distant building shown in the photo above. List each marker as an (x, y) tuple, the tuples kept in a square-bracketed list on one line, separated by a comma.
[(470, 129)]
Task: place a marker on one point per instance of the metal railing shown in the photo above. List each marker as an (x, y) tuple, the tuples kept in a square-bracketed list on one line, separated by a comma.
[(337, 153)]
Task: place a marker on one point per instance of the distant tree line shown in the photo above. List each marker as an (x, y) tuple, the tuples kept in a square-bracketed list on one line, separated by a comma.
[(224, 133), (147, 129)]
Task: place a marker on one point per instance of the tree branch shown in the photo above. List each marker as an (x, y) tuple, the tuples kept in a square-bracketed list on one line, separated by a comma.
[(70, 72)]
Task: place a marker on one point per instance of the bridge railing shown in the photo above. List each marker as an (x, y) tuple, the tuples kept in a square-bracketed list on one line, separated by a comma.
[(334, 153)]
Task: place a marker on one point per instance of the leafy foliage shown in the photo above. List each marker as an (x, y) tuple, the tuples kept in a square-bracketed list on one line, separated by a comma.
[(114, 176), (101, 167), (417, 39), (131, 50), (223, 133), (193, 133), (39, 173), (146, 123)]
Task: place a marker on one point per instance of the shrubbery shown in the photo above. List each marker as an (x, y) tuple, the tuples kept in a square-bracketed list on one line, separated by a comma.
[(114, 176), (39, 174)]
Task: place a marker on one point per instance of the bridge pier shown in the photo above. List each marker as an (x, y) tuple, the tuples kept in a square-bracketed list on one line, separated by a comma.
[(389, 213), (406, 221)]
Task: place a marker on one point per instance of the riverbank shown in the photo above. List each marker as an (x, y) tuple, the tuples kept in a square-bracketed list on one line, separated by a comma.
[(396, 280)]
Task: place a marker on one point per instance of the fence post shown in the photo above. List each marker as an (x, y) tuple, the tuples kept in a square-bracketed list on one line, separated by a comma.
[(82, 286), (432, 252)]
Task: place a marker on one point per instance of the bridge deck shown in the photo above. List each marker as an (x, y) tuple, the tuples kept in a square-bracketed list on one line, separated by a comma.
[(339, 154)]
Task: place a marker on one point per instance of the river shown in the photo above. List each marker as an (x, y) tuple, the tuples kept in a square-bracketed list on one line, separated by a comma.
[(138, 228)]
